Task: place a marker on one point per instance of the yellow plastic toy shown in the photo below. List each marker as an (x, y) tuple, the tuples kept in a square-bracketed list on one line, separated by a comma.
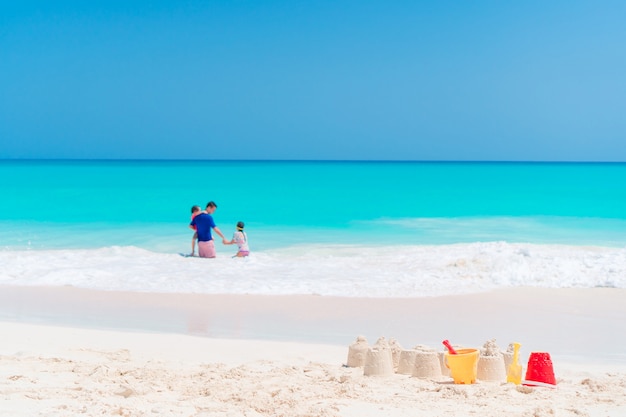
[(463, 366), (514, 373)]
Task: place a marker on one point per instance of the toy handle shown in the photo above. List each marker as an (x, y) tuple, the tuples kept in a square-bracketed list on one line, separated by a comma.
[(447, 344), (516, 347)]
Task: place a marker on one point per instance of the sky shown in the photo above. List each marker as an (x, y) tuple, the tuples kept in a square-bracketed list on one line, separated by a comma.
[(338, 80)]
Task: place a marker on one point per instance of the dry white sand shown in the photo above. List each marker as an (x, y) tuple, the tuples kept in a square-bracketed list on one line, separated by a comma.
[(48, 370)]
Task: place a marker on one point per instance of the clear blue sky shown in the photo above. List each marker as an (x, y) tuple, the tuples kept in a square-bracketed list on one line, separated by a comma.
[(413, 80)]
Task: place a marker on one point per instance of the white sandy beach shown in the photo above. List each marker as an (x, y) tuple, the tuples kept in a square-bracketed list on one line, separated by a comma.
[(57, 368)]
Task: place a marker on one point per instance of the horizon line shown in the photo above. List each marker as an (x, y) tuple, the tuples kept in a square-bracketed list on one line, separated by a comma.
[(490, 161)]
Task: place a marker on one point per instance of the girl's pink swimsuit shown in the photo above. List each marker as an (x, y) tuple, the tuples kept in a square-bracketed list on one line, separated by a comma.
[(241, 240)]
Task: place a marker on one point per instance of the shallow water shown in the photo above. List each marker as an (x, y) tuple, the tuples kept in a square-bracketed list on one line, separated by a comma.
[(335, 228), (386, 271)]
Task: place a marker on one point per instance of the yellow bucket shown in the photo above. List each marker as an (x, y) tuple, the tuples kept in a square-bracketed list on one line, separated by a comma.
[(463, 366)]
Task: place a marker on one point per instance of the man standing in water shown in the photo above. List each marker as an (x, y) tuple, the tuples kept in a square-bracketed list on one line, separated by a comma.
[(204, 223)]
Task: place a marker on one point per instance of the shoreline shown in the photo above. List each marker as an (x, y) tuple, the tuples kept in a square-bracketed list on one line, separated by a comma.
[(338, 271), (572, 323)]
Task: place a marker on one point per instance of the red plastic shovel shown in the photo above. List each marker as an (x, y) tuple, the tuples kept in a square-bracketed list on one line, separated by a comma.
[(447, 344)]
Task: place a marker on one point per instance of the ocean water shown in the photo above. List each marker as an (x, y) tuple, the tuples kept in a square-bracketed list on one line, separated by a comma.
[(332, 228)]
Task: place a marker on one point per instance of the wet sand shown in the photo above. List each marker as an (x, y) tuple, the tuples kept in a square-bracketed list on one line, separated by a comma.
[(566, 322)]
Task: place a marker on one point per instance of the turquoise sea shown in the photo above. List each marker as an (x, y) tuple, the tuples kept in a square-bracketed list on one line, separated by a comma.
[(382, 229), (89, 204)]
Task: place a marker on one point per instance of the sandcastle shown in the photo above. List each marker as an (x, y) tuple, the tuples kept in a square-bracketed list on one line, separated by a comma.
[(427, 365), (407, 360), (396, 350), (491, 365), (379, 360), (357, 352), (387, 356), (508, 355)]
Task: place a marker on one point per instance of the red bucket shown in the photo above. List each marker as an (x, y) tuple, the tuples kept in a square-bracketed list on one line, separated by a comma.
[(539, 370)]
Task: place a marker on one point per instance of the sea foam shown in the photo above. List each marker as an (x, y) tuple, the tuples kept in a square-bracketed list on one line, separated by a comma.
[(339, 270)]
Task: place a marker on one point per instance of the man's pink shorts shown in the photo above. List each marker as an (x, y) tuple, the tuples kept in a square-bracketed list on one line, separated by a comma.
[(206, 249)]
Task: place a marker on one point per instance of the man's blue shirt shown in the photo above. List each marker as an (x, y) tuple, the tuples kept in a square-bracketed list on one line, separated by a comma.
[(204, 223)]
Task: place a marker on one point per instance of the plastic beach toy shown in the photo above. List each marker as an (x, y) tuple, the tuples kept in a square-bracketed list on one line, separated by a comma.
[(540, 372), (463, 365), (447, 344), (514, 373)]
